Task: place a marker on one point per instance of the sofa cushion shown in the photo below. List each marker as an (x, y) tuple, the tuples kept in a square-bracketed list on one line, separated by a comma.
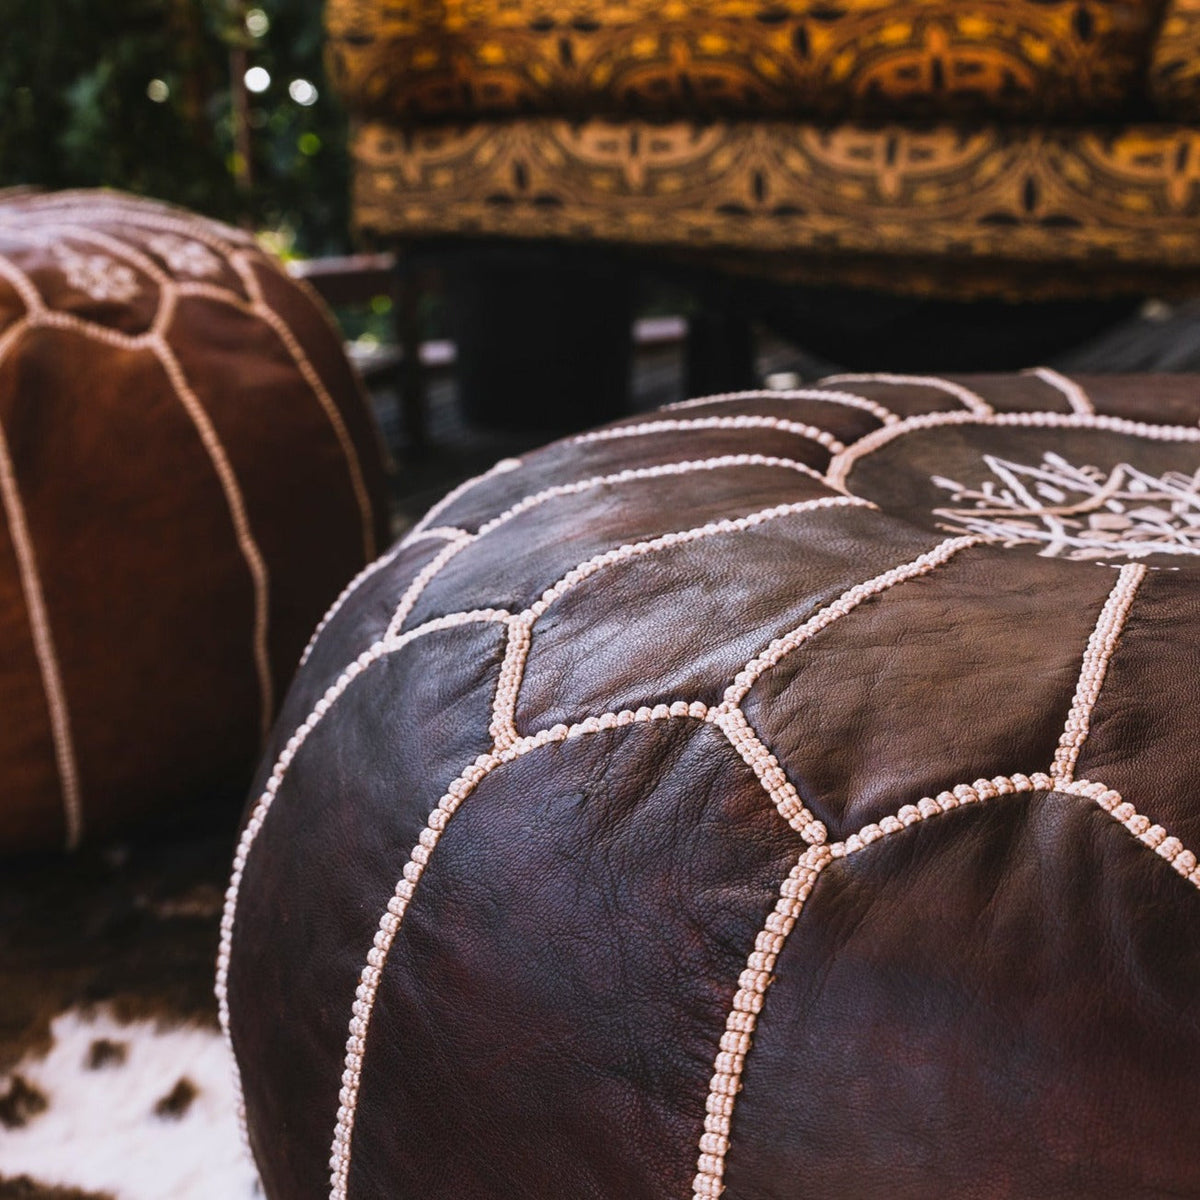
[(1174, 78), (188, 472), (786, 792), (929, 209), (689, 58)]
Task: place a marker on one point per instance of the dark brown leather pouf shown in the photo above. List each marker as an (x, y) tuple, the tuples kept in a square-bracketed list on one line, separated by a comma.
[(791, 795), (188, 473)]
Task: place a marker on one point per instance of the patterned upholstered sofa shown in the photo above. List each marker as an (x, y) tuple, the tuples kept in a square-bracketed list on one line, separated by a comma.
[(1019, 149)]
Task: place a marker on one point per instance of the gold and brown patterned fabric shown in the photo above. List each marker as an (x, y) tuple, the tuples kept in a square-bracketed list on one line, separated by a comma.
[(189, 471), (1018, 155), (1014, 208), (685, 58), (780, 795), (1175, 68)]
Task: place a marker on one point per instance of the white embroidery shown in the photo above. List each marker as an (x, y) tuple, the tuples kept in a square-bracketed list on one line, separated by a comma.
[(97, 275), (1078, 512), (185, 256)]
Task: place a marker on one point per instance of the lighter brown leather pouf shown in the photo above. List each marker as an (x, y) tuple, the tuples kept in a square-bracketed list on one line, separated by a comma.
[(790, 795), (188, 473)]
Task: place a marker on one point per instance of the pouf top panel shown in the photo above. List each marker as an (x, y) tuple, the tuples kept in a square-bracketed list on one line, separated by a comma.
[(779, 791)]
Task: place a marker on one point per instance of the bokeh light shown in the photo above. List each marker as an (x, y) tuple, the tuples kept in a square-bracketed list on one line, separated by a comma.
[(257, 22), (257, 79), (303, 92)]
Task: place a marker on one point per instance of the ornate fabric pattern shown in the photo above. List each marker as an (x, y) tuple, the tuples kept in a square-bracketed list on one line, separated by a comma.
[(679, 809), (1091, 200), (188, 469), (1174, 78), (687, 58)]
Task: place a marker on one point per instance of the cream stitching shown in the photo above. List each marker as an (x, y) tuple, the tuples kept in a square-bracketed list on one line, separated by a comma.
[(1182, 860), (568, 489), (24, 287), (1100, 648), (333, 415), (972, 401), (89, 329), (441, 533), (839, 468), (241, 523), (759, 971), (740, 1024), (98, 276), (725, 525), (39, 624), (436, 533), (1076, 396), (847, 399), (345, 594), (185, 255), (846, 602), (373, 654), (509, 745), (389, 924), (501, 468), (516, 657), (424, 577), (217, 294), (116, 246), (755, 754), (812, 432), (134, 214), (730, 719), (756, 978), (503, 728)]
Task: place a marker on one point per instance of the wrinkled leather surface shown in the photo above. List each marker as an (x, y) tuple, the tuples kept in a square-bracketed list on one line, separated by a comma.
[(1002, 1000), (148, 596)]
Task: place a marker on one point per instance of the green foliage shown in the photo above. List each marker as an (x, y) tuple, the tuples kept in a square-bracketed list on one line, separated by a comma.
[(76, 87)]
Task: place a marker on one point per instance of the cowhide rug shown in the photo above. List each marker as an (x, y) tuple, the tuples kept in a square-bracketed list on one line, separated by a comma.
[(114, 1080)]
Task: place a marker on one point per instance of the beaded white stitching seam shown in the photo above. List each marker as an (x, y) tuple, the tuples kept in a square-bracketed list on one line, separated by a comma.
[(846, 602), (501, 468), (389, 924), (39, 624), (154, 341), (841, 464), (512, 670), (847, 399), (508, 744), (1171, 849), (441, 533), (114, 211), (373, 654), (1100, 648), (568, 489), (682, 425), (972, 401), (245, 272), (236, 503), (757, 756), (369, 570), (756, 978), (586, 569), (1077, 398)]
